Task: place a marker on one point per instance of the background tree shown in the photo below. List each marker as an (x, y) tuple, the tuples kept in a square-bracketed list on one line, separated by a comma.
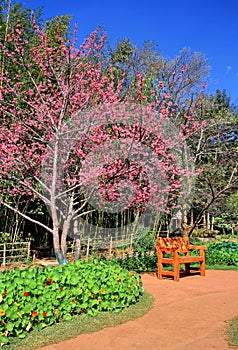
[(182, 76), (215, 152)]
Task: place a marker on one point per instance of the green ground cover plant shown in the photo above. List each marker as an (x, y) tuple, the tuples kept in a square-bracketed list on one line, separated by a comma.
[(80, 324), (38, 297)]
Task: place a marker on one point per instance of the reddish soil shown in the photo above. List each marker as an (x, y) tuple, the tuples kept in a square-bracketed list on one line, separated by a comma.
[(191, 314)]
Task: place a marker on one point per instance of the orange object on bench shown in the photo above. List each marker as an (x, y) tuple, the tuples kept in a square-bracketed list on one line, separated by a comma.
[(176, 246)]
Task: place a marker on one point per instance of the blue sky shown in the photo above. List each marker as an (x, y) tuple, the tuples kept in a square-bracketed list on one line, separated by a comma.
[(210, 27)]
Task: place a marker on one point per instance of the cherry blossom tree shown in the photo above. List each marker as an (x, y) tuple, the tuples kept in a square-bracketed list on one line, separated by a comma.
[(67, 140)]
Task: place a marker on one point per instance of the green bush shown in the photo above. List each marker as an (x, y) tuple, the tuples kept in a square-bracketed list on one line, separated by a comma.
[(204, 233), (38, 297), (145, 243), (224, 253), (227, 246), (140, 262)]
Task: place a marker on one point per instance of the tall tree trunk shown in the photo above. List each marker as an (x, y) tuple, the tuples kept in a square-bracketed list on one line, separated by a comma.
[(56, 244), (204, 224), (208, 221), (212, 223), (191, 218), (77, 241), (77, 249), (63, 242)]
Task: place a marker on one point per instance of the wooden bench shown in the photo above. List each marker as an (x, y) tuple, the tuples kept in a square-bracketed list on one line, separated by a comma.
[(176, 247)]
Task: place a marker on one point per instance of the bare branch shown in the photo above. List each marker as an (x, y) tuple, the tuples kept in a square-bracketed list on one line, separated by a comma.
[(27, 217)]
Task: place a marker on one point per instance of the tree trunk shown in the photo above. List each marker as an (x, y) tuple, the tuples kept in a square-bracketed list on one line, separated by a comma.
[(64, 246), (208, 221), (212, 223), (191, 218), (77, 248), (64, 235), (204, 223), (77, 241), (56, 245)]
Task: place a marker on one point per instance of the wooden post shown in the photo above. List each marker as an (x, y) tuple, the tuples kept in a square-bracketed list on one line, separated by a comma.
[(87, 252), (28, 249), (110, 248), (131, 241), (4, 255)]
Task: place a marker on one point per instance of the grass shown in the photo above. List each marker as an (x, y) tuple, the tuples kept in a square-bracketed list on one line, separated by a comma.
[(221, 267), (232, 332), (80, 325)]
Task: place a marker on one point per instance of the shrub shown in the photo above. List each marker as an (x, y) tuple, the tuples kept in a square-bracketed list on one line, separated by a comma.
[(37, 297), (224, 253), (140, 262), (145, 243), (227, 246), (204, 232)]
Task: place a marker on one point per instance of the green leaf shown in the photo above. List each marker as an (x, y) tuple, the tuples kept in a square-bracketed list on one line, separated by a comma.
[(10, 326), (27, 308), (67, 317), (22, 335), (95, 289), (74, 280), (41, 326), (92, 312), (4, 340), (32, 284)]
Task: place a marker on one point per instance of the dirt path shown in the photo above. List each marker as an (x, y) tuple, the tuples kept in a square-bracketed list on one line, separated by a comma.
[(190, 314)]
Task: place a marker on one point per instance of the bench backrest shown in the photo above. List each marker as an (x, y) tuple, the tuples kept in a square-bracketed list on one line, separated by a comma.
[(180, 243)]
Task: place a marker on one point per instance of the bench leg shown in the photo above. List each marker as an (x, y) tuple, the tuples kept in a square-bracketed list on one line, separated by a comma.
[(176, 271), (160, 270), (202, 263), (202, 268), (160, 265), (187, 269)]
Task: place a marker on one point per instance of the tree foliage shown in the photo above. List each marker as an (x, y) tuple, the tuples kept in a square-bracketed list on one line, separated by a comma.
[(182, 76), (216, 153), (57, 108)]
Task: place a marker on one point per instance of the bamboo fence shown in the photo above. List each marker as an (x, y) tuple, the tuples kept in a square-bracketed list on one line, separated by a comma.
[(11, 252)]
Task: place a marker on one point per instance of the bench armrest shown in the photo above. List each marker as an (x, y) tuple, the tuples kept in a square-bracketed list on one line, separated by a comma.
[(200, 247)]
